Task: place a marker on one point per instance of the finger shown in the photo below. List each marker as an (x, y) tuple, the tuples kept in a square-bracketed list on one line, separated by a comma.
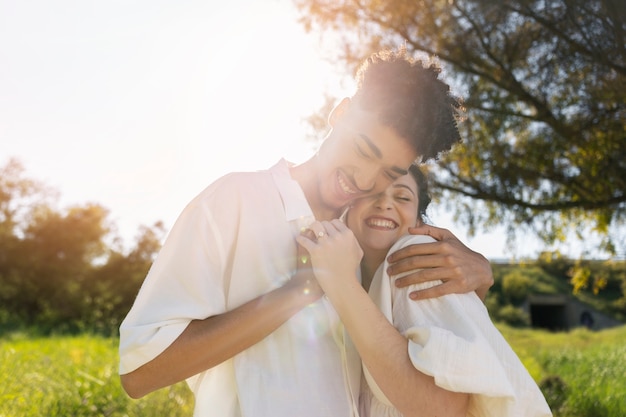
[(306, 243), (433, 292), (339, 225), (327, 228), (427, 248), (318, 230), (412, 262), (410, 279), (427, 275), (436, 233), (334, 227), (308, 233)]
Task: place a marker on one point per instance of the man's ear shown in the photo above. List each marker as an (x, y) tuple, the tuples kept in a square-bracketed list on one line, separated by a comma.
[(339, 111)]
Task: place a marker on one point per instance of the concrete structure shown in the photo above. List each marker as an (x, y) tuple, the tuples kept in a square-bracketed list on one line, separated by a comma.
[(562, 312)]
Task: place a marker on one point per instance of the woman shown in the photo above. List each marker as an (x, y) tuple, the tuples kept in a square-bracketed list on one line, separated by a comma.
[(439, 356)]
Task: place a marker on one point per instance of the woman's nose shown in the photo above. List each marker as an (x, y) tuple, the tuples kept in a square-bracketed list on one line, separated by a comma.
[(383, 201)]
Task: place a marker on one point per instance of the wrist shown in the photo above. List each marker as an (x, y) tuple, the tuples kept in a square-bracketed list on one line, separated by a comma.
[(301, 291)]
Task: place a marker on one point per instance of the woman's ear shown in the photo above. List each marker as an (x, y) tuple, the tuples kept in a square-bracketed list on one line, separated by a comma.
[(337, 113)]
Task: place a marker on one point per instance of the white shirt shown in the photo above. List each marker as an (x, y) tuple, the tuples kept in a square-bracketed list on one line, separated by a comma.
[(452, 339), (232, 243)]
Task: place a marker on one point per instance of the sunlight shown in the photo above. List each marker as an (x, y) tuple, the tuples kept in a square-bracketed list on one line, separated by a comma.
[(270, 77), (141, 105)]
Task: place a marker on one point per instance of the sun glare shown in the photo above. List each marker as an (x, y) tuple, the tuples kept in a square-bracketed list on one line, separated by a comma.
[(268, 77), (138, 106)]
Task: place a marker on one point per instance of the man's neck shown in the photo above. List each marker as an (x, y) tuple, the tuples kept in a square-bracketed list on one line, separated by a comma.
[(306, 175)]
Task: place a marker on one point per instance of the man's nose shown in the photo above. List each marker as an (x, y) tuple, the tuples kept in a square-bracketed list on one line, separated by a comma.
[(366, 182)]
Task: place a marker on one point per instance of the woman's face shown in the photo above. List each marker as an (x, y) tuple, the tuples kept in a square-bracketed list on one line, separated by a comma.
[(378, 221)]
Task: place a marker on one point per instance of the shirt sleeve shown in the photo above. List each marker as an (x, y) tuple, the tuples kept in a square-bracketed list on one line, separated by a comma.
[(185, 282), (453, 339), (459, 360)]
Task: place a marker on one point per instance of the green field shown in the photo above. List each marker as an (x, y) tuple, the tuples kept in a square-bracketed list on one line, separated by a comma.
[(581, 372), (75, 376)]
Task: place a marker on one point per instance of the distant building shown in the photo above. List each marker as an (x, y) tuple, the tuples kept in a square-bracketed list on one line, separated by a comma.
[(559, 312)]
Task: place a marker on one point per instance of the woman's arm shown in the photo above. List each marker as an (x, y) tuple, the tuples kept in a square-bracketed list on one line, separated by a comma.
[(207, 343), (383, 349)]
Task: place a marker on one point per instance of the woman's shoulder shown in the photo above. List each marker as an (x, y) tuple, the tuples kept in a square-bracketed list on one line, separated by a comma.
[(408, 240)]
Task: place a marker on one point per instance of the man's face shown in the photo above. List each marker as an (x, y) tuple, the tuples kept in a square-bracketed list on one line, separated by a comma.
[(360, 157)]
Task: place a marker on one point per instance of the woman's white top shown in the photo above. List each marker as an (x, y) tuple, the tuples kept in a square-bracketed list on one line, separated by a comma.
[(453, 339)]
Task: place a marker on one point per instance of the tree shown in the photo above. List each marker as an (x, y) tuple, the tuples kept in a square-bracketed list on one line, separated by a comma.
[(545, 91), (20, 197), (57, 267), (114, 286)]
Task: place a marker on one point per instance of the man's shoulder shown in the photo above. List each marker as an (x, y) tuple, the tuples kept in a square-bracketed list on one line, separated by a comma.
[(235, 182), (244, 178)]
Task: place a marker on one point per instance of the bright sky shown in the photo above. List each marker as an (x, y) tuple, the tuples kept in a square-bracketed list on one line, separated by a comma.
[(139, 105)]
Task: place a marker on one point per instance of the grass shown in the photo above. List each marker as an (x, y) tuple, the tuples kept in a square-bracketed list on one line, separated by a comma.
[(75, 376), (581, 373)]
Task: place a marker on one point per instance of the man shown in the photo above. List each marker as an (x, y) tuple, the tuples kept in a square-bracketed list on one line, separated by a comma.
[(225, 304)]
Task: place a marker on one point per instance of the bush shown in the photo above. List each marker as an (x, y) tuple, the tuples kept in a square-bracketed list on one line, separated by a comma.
[(515, 286), (513, 316), (555, 264), (555, 390)]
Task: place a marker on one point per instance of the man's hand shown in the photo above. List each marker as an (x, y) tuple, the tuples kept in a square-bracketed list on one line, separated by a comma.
[(461, 269)]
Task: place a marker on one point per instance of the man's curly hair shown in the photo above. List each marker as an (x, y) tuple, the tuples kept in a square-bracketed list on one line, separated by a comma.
[(409, 97)]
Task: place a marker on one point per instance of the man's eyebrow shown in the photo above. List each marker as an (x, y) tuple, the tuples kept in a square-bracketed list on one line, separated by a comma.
[(379, 154), (371, 145), (399, 170)]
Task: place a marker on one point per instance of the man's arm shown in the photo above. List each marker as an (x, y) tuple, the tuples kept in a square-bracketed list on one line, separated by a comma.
[(461, 269), (207, 343)]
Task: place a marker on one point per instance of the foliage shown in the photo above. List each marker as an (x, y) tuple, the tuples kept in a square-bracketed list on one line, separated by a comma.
[(601, 280), (515, 286), (552, 273), (511, 315), (63, 271), (545, 88), (555, 391), (19, 197), (555, 264), (580, 371), (57, 267), (75, 376)]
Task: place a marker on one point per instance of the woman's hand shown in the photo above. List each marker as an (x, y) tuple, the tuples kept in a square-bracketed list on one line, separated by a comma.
[(334, 251)]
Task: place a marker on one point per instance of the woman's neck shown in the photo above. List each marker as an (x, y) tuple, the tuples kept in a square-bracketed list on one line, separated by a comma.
[(372, 259)]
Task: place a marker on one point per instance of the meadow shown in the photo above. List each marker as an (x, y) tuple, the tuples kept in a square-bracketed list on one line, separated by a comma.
[(581, 373)]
